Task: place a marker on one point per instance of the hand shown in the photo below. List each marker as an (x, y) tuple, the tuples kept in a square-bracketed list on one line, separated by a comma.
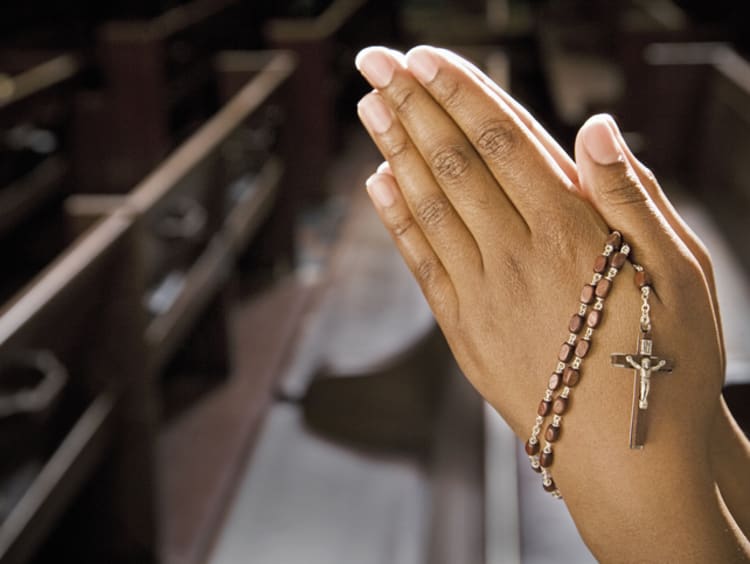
[(492, 218)]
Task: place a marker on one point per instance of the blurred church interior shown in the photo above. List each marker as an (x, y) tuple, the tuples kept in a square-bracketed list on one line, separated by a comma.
[(210, 351)]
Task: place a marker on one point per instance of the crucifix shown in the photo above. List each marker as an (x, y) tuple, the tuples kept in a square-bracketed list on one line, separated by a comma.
[(644, 364)]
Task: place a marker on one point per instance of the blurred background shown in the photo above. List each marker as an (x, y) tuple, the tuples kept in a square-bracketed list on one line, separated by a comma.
[(210, 351)]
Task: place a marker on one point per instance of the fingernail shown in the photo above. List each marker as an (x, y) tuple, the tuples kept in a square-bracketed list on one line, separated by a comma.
[(600, 141), (374, 113), (381, 191), (376, 66), (384, 168), (422, 63)]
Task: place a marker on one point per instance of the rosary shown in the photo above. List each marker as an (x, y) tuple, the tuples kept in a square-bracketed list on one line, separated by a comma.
[(567, 373)]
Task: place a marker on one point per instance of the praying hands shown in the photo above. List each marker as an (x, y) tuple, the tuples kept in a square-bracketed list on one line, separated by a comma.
[(500, 227)]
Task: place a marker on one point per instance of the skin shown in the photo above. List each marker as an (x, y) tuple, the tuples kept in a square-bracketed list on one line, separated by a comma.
[(500, 228)]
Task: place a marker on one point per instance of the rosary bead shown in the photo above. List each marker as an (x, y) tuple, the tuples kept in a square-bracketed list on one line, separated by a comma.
[(618, 260), (603, 288), (550, 487), (536, 468), (546, 459), (532, 449), (554, 381), (544, 408), (642, 279), (582, 348), (576, 323), (566, 351), (571, 377), (594, 318), (587, 294), (614, 239), (600, 264), (552, 433), (560, 405)]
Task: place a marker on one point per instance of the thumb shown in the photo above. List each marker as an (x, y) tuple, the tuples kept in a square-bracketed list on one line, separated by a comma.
[(610, 183)]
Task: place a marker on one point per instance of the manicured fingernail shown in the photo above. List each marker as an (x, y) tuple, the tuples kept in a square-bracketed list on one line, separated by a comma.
[(377, 67), (422, 63), (384, 168), (381, 191), (600, 141), (374, 113)]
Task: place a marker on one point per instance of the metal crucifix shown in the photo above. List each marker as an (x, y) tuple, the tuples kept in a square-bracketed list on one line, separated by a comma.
[(644, 364)]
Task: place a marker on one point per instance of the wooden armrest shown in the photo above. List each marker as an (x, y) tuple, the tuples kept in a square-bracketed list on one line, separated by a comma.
[(283, 30), (59, 480)]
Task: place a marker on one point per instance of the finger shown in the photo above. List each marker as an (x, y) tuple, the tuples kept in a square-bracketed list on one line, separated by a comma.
[(437, 218), (684, 232), (611, 183), (411, 242), (454, 163), (516, 158), (552, 147)]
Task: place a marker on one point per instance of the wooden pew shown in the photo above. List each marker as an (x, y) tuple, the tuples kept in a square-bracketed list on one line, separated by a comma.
[(36, 106), (590, 54), (80, 314), (196, 215), (325, 43), (159, 83)]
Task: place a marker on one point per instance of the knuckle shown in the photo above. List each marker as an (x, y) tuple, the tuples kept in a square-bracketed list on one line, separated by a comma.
[(433, 210), (450, 163), (497, 138), (400, 225), (402, 99), (395, 148), (622, 187), (448, 91), (426, 271)]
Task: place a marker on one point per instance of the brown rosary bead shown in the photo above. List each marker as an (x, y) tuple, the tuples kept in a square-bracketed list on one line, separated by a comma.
[(537, 469), (546, 459), (618, 260), (571, 377), (614, 239), (560, 405), (549, 488), (575, 324), (587, 294), (552, 433), (554, 381), (582, 348), (594, 318), (532, 449), (642, 279), (603, 288), (600, 264), (566, 351), (544, 408)]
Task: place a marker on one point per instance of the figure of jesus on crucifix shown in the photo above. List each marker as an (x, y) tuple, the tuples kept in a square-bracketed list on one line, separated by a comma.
[(644, 364), (645, 369)]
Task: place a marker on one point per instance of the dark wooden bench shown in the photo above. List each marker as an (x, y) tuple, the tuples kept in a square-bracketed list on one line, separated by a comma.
[(37, 90), (590, 54), (159, 85), (326, 42), (198, 215), (79, 449)]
